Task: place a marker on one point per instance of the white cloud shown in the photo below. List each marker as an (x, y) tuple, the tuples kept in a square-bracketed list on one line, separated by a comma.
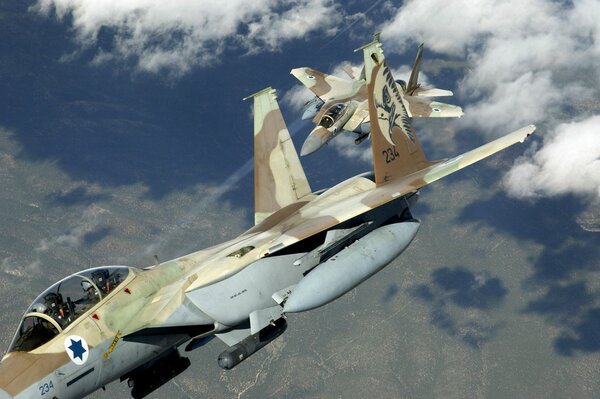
[(568, 162), (512, 105), (296, 97), (528, 62), (90, 219), (305, 16), (542, 53), (457, 27), (177, 35), (344, 145)]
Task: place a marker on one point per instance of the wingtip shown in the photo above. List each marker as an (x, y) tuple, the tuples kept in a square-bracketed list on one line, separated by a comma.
[(527, 131), (265, 90), (376, 40)]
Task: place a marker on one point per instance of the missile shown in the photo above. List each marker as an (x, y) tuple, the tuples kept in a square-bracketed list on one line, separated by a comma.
[(234, 355), (361, 138), (351, 266)]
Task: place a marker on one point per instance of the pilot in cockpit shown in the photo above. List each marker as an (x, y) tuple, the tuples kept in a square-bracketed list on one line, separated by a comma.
[(63, 303), (57, 308), (95, 288), (101, 279), (91, 294)]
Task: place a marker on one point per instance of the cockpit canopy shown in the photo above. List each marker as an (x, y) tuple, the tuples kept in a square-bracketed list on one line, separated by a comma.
[(332, 115), (63, 303)]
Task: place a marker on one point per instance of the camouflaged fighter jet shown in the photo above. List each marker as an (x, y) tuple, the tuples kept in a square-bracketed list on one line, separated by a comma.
[(341, 104), (306, 249)]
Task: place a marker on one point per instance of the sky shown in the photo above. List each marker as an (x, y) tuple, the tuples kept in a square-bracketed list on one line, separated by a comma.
[(537, 65), (123, 134)]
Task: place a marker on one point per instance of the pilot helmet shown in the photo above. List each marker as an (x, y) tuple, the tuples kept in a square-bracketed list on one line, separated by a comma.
[(86, 285), (52, 300), (39, 307), (100, 278)]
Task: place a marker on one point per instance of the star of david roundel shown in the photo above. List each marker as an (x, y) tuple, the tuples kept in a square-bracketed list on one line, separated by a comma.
[(77, 349)]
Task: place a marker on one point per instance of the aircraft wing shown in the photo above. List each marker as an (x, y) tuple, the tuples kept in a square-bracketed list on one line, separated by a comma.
[(353, 72), (445, 168), (323, 85)]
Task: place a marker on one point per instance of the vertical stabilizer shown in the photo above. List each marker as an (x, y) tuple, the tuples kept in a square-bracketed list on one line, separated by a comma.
[(279, 179), (413, 81), (397, 151)]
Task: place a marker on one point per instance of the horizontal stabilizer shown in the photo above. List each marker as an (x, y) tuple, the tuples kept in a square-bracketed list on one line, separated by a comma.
[(419, 107), (352, 72), (431, 92)]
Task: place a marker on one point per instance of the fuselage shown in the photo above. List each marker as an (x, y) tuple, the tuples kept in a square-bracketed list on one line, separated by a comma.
[(217, 287)]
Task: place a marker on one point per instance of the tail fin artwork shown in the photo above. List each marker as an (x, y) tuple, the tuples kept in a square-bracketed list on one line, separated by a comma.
[(397, 153), (396, 148), (279, 178), (413, 81)]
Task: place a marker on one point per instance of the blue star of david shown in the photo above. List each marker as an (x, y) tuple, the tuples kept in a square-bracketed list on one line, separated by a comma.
[(77, 349)]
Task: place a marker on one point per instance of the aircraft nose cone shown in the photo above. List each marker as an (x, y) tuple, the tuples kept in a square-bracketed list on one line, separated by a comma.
[(311, 144), (4, 395), (315, 140)]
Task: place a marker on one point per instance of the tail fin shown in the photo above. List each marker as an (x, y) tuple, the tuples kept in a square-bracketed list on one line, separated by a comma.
[(396, 148), (413, 82), (279, 179)]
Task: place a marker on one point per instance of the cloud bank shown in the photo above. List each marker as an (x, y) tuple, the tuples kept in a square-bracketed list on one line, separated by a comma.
[(567, 162), (176, 35), (529, 62)]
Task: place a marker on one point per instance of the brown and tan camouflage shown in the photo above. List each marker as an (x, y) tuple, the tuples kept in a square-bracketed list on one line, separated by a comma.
[(286, 213), (334, 90), (279, 179)]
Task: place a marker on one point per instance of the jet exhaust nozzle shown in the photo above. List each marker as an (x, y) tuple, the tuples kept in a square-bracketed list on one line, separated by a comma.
[(234, 355)]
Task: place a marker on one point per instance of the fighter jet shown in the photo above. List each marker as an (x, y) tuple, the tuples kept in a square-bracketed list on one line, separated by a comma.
[(306, 249), (341, 104)]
